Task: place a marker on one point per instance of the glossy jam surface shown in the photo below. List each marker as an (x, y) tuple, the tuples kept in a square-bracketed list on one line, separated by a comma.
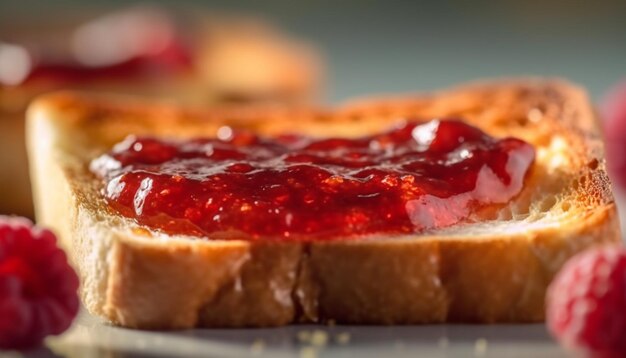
[(415, 177)]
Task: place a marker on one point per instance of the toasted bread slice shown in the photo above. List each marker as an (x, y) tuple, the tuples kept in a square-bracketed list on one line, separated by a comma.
[(494, 269)]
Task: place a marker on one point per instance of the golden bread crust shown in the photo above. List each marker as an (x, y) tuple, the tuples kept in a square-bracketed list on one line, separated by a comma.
[(493, 269)]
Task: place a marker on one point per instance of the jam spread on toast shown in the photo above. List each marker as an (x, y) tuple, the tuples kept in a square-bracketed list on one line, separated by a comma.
[(415, 177)]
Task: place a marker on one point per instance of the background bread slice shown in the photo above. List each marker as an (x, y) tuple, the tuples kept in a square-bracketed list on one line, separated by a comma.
[(493, 269)]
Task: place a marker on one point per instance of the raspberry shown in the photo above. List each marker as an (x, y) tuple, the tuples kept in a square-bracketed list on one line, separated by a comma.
[(586, 303), (614, 112), (38, 288)]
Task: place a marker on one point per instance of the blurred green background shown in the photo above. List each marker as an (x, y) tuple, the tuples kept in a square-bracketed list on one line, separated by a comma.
[(396, 46)]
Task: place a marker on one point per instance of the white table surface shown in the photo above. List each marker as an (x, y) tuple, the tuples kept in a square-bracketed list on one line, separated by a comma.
[(89, 337)]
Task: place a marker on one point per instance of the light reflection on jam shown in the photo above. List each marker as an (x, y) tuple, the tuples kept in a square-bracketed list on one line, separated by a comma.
[(412, 178)]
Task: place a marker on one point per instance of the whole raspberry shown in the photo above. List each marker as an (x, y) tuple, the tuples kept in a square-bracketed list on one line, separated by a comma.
[(38, 288), (614, 113), (586, 303)]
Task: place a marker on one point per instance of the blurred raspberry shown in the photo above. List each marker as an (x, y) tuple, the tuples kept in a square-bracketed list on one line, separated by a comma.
[(38, 289), (586, 303), (614, 112)]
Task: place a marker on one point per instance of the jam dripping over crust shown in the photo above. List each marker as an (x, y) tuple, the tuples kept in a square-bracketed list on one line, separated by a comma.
[(416, 177)]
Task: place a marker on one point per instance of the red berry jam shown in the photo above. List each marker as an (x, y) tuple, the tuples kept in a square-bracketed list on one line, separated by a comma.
[(416, 177), (172, 60)]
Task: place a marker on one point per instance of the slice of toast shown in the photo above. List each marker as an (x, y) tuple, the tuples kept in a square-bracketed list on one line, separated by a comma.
[(495, 269)]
